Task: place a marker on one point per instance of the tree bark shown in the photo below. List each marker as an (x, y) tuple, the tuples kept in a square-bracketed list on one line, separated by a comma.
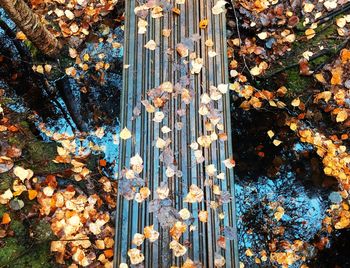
[(30, 24)]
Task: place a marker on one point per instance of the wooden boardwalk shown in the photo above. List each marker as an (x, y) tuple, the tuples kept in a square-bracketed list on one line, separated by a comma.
[(185, 169)]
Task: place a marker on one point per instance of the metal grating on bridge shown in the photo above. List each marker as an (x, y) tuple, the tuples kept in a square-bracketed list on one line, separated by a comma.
[(175, 104)]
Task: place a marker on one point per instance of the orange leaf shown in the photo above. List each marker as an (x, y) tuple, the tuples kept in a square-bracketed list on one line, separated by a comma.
[(345, 55), (304, 67), (103, 163), (108, 253), (5, 218), (176, 11), (221, 242), (336, 76), (32, 194), (203, 24), (13, 128)]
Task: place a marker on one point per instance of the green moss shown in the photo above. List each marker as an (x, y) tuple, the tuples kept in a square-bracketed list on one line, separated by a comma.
[(21, 250), (42, 231), (36, 257), (37, 155), (300, 26), (24, 124), (297, 83), (17, 141), (33, 50), (5, 182), (40, 156), (6, 101), (9, 250), (18, 252), (29, 246), (11, 246)]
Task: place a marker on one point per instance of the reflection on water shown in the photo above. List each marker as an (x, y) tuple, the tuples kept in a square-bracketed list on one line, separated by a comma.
[(279, 189)]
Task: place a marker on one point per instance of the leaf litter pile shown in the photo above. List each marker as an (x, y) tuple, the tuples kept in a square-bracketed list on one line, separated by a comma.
[(264, 33)]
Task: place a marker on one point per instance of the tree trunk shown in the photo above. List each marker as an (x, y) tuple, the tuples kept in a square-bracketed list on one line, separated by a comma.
[(30, 24)]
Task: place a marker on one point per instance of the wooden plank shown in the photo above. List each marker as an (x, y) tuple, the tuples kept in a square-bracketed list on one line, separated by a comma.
[(147, 70)]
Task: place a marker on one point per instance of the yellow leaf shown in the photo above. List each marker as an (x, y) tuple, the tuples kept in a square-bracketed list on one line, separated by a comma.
[(40, 69), (336, 76), (320, 78), (150, 233), (293, 126), (178, 249), (262, 35), (255, 71), (203, 216), (22, 173), (276, 142), (86, 57), (310, 33), (342, 116), (21, 36), (296, 102), (166, 32), (138, 239), (270, 133), (71, 71), (279, 213), (203, 23), (308, 7), (135, 256), (343, 223), (345, 55), (185, 214), (47, 68), (341, 22), (125, 134), (249, 252)]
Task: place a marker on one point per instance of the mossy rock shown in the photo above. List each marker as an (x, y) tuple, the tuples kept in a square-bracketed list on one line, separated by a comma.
[(21, 250), (40, 155), (286, 68), (296, 83), (36, 154), (41, 231), (29, 246)]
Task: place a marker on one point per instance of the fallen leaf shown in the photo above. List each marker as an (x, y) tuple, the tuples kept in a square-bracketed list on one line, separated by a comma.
[(342, 116), (279, 213), (178, 249), (151, 45), (32, 194), (135, 256), (6, 218), (203, 23), (276, 142), (125, 134)]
